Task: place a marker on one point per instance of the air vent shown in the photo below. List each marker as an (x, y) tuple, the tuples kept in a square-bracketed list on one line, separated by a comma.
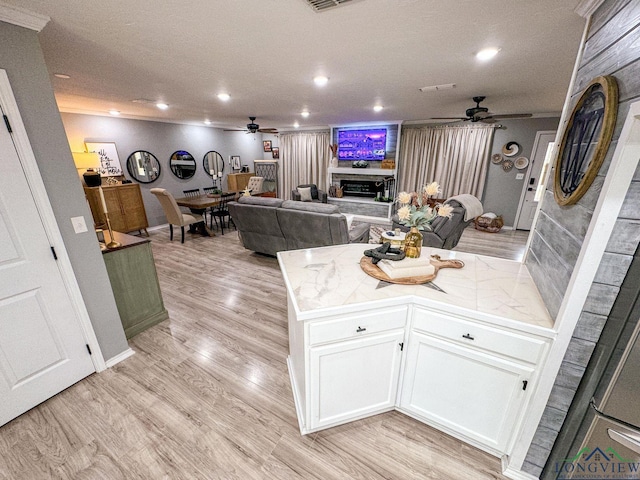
[(322, 5)]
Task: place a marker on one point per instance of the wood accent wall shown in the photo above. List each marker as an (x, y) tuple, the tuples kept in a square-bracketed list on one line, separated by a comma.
[(560, 231)]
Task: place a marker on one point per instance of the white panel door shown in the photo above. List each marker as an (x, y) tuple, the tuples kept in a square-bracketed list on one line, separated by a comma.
[(528, 204), (42, 348), (470, 392), (355, 378)]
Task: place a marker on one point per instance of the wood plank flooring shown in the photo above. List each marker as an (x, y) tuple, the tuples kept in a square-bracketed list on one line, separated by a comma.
[(207, 395)]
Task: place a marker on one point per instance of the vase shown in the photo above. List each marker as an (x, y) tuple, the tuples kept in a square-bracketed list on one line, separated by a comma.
[(413, 243), (334, 162)]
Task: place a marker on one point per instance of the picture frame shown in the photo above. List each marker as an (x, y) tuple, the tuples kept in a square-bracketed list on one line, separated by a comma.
[(109, 161), (275, 152), (235, 162), (266, 145)]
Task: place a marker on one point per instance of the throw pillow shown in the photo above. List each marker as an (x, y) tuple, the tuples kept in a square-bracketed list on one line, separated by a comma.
[(305, 194)]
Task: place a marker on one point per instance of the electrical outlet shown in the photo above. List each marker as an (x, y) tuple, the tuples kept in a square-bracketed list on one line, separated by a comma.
[(79, 225), (519, 176)]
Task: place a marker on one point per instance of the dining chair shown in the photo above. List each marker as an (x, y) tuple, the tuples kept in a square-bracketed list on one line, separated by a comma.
[(221, 210), (195, 192), (173, 213)]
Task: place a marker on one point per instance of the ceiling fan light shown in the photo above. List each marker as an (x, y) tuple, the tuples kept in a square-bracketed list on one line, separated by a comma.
[(320, 80), (224, 96), (162, 106), (487, 53)]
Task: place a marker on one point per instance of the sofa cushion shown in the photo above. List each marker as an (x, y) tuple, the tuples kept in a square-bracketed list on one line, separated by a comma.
[(305, 194), (310, 207), (265, 201)]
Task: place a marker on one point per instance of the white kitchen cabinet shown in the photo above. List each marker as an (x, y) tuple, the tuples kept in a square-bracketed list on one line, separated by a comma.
[(469, 392), (353, 379)]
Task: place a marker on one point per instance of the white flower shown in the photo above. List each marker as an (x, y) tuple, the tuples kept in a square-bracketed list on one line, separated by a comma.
[(404, 197), (432, 189), (445, 210), (404, 213)]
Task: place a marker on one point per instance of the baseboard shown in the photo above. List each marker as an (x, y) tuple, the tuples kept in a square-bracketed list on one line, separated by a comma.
[(515, 474), (157, 227), (120, 357)]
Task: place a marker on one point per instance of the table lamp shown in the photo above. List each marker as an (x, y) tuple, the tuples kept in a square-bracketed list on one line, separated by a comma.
[(88, 162)]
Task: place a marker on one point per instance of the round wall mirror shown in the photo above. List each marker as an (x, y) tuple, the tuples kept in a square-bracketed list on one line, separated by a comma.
[(213, 163), (143, 166), (182, 164)]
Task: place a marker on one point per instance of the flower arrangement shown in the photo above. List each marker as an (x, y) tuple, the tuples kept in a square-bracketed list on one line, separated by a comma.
[(415, 211)]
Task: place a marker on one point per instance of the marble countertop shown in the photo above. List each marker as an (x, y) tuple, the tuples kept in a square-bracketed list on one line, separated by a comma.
[(329, 280)]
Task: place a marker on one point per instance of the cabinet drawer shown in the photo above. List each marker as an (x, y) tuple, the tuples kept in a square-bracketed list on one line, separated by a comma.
[(357, 325), (472, 334)]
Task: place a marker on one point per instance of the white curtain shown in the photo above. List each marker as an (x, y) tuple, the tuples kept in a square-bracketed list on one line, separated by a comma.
[(305, 159), (457, 157)]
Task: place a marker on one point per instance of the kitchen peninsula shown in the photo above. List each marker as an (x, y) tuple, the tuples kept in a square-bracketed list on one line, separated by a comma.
[(461, 353)]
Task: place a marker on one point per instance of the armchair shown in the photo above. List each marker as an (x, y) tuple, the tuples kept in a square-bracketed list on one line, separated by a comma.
[(317, 195), (255, 185)]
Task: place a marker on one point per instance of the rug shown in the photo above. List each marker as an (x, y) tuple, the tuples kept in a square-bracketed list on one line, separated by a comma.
[(375, 232)]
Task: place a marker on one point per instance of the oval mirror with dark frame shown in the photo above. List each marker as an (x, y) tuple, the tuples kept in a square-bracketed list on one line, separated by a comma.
[(143, 166), (182, 164), (213, 163), (585, 140)]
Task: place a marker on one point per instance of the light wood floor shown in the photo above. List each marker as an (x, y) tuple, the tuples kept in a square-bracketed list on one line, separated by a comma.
[(207, 395)]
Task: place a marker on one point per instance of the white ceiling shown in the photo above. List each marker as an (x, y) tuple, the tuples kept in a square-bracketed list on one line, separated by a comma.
[(264, 53)]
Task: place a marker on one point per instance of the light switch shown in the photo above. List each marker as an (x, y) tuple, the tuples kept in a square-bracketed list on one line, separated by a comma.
[(79, 225), (519, 176)]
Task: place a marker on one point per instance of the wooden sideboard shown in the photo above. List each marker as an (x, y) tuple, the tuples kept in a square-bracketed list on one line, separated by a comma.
[(237, 182), (134, 281), (124, 205)]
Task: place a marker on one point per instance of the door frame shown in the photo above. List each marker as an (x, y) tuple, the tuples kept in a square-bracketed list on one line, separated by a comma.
[(47, 217), (525, 185)]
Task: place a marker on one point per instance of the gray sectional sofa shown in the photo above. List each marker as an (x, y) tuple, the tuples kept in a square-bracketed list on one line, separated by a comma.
[(269, 225)]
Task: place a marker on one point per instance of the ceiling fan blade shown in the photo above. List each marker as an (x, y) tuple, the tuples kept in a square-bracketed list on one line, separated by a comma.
[(268, 130), (449, 118), (513, 115)]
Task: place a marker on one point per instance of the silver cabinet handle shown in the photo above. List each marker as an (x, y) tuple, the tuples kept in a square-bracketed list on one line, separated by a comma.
[(629, 442)]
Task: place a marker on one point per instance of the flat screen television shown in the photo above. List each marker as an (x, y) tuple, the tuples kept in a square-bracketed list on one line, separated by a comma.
[(365, 144)]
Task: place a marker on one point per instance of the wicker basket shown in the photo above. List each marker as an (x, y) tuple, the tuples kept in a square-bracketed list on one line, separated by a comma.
[(492, 225)]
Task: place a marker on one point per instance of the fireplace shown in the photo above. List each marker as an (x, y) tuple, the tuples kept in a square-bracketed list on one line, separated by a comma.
[(359, 188)]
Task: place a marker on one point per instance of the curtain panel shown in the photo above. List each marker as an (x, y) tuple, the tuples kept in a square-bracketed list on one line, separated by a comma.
[(455, 157), (305, 159)]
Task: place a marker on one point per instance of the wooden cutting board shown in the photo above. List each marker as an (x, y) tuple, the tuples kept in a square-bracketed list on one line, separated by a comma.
[(375, 272)]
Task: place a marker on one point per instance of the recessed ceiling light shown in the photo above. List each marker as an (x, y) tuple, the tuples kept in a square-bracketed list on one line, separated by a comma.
[(62, 75), (378, 108), (296, 125), (114, 112), (207, 122), (162, 106), (224, 96), (487, 53), (304, 113), (320, 80)]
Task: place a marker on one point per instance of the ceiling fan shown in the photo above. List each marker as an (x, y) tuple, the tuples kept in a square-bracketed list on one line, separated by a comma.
[(482, 114), (253, 127)]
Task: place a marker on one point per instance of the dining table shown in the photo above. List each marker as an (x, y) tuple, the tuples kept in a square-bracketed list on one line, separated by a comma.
[(202, 202)]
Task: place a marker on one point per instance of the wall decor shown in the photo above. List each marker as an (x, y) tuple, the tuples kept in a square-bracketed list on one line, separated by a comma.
[(213, 164), (235, 162), (109, 160), (511, 149), (496, 158), (266, 145), (585, 140), (507, 165), (143, 166), (521, 163), (275, 152), (182, 164)]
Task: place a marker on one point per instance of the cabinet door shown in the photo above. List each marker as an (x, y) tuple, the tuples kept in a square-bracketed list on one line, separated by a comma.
[(473, 393), (114, 205), (135, 216), (355, 378)]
